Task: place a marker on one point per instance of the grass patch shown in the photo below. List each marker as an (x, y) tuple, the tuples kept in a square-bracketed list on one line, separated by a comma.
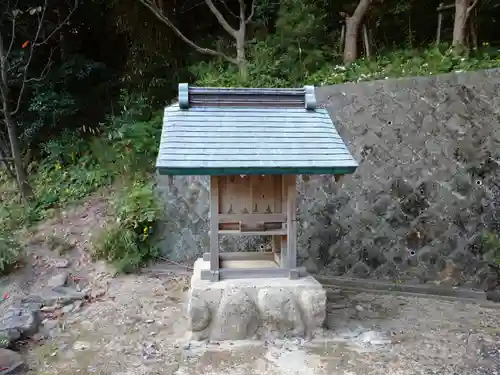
[(10, 252), (57, 244), (128, 242)]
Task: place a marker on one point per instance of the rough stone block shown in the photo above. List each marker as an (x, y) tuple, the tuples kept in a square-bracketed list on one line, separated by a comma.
[(254, 308)]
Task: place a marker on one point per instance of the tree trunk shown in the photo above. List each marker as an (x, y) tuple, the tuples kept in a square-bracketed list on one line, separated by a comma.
[(460, 24), (352, 25), (241, 60), (21, 176), (351, 40), (463, 9), (238, 34)]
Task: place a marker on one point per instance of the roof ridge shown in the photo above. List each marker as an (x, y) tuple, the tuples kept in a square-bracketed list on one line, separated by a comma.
[(193, 96)]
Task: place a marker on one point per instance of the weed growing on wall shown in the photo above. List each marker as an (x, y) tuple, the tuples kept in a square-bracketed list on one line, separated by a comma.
[(490, 246)]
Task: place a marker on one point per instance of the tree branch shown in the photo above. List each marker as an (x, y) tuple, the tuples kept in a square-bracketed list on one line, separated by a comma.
[(242, 12), (63, 22), (228, 9), (252, 12), (361, 9), (35, 43), (45, 69), (220, 18), (12, 38), (30, 57), (3, 69), (472, 6), (207, 51)]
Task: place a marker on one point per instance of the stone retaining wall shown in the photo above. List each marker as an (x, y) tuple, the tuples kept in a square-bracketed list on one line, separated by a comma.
[(427, 185)]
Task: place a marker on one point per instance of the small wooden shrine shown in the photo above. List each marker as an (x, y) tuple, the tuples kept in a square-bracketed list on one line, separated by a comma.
[(252, 143)]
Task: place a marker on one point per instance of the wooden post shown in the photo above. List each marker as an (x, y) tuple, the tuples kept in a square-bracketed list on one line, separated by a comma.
[(214, 227), (284, 239), (291, 221)]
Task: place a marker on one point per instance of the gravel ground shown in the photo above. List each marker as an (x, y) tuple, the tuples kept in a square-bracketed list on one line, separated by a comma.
[(136, 325), (138, 328)]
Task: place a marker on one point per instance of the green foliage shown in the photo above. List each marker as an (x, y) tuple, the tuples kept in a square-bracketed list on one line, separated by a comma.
[(75, 165), (9, 251), (129, 241), (134, 135), (267, 70), (405, 63)]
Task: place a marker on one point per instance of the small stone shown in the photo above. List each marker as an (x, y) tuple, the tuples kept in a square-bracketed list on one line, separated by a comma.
[(334, 295), (37, 337), (359, 308), (493, 295), (81, 345), (336, 306), (149, 321), (18, 323), (58, 280), (68, 308), (373, 338), (11, 362), (50, 324), (62, 295), (49, 309), (61, 263), (97, 293), (77, 305)]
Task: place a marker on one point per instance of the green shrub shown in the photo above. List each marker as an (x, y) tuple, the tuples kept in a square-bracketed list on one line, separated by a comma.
[(129, 241), (135, 144), (10, 251), (268, 68), (75, 165)]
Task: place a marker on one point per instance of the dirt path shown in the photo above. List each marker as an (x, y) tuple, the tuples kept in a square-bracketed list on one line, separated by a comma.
[(136, 325)]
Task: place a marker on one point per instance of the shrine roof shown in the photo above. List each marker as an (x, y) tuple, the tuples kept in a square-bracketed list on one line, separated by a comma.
[(230, 131)]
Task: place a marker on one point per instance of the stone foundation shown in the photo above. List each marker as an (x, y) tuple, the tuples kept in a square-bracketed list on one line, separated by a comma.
[(254, 308)]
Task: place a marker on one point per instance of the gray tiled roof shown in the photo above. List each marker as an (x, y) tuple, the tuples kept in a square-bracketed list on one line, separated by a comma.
[(250, 132)]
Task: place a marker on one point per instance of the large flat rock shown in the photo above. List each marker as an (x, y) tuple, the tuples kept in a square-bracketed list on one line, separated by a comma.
[(254, 308)]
